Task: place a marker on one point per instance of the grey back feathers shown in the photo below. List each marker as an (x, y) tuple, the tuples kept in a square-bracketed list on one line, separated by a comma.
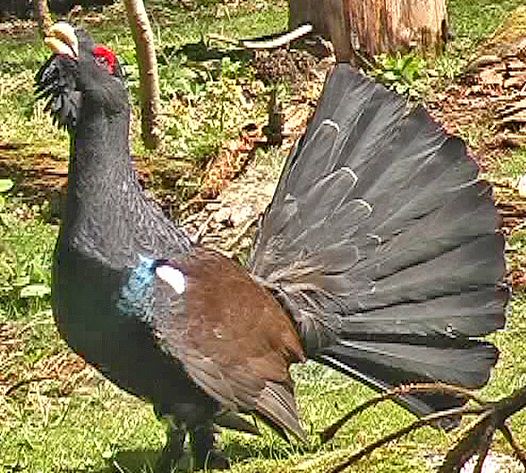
[(382, 243)]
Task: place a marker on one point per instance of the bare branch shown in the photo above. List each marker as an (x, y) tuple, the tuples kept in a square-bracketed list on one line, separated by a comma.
[(482, 454), (273, 43), (24, 382), (519, 451), (443, 388), (149, 79), (510, 405), (477, 439), (417, 424), (280, 40)]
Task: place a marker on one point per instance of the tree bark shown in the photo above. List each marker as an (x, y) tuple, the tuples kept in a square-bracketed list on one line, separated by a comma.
[(370, 27), (43, 16), (390, 25), (149, 78)]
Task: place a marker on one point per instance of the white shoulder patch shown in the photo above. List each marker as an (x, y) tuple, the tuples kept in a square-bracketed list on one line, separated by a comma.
[(173, 277)]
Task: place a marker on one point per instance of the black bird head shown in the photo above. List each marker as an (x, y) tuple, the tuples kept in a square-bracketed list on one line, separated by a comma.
[(78, 69)]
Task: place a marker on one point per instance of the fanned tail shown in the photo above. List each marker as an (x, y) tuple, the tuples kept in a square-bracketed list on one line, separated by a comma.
[(383, 245)]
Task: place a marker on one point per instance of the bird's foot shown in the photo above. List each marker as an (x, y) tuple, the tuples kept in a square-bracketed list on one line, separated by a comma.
[(173, 456), (206, 456), (214, 460), (170, 463)]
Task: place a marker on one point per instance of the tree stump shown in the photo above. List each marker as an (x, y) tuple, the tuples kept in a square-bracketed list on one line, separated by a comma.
[(370, 27)]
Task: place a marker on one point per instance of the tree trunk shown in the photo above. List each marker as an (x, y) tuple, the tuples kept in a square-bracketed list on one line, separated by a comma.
[(148, 74), (43, 17), (370, 27)]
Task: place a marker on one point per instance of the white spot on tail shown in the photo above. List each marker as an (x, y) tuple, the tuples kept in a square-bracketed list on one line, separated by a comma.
[(375, 237), (173, 277), (332, 123), (349, 171), (366, 204)]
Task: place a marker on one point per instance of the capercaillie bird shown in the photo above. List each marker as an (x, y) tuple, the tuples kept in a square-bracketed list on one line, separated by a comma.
[(379, 256)]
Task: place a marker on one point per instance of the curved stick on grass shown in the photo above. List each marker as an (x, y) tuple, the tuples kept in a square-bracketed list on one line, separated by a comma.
[(518, 450), (24, 382), (417, 424), (443, 388), (476, 440)]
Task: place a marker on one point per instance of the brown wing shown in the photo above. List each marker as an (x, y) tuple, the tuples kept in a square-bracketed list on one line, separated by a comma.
[(234, 340)]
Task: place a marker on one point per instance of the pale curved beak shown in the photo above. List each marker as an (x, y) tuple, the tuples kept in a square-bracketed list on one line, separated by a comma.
[(61, 39)]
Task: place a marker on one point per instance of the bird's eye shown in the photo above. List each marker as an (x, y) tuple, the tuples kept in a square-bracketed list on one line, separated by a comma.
[(102, 61)]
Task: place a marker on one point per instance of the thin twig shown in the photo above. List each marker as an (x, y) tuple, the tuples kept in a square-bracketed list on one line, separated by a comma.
[(330, 431), (483, 449), (482, 432), (280, 40), (196, 238), (510, 405), (519, 451), (478, 434), (417, 424)]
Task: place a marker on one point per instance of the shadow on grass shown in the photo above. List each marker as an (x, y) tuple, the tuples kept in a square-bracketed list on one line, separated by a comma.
[(127, 461), (144, 461)]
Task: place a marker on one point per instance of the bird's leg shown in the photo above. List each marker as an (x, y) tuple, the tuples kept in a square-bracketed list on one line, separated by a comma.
[(202, 440), (173, 451)]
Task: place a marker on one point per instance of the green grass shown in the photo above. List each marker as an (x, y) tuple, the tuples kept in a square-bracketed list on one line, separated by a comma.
[(77, 421), (471, 23), (510, 374), (22, 121), (474, 21), (509, 164), (96, 426), (26, 245)]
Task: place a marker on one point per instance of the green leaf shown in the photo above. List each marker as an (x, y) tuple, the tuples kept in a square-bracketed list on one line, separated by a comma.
[(6, 185), (35, 290)]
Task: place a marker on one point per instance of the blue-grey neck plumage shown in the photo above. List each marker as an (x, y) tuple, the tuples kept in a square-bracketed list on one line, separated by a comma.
[(136, 295)]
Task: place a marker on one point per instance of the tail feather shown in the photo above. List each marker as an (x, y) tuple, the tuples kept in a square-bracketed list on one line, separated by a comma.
[(379, 368), (427, 238), (458, 270), (418, 183), (383, 245), (443, 362), (475, 313)]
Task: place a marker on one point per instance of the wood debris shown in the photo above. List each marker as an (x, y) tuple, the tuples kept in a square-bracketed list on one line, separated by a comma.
[(501, 77)]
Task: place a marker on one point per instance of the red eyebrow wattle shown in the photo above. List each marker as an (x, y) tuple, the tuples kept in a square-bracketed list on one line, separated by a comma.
[(105, 52)]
